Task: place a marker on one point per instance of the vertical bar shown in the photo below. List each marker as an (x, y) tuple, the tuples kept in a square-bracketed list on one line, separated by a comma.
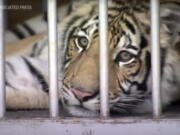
[(2, 69), (53, 74), (155, 50), (103, 29)]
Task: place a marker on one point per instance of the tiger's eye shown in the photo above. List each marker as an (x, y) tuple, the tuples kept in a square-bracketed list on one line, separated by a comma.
[(124, 56), (83, 42)]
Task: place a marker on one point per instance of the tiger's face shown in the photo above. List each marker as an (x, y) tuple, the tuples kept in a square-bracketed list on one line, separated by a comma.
[(129, 57), (129, 63)]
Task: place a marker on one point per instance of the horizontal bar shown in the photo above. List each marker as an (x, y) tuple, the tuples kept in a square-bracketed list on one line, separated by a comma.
[(103, 59), (155, 55), (2, 68), (53, 68), (89, 127)]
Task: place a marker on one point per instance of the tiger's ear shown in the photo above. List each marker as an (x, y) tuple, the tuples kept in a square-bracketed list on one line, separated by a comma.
[(170, 17)]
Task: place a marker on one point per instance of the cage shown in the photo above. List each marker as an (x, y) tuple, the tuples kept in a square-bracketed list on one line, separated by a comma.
[(39, 122)]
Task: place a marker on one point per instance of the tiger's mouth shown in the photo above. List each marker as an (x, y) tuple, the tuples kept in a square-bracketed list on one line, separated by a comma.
[(83, 96), (80, 98)]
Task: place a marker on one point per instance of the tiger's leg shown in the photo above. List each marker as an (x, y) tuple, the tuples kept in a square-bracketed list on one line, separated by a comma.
[(26, 83)]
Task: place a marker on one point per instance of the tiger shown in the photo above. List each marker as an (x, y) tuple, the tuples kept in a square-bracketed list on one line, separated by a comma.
[(129, 47)]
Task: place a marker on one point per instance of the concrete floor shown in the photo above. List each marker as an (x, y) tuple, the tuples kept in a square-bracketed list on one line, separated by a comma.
[(38, 122)]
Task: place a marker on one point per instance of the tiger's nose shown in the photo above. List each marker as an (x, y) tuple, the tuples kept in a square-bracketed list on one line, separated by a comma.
[(81, 94)]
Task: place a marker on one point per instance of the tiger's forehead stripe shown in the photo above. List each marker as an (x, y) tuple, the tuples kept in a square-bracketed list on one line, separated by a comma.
[(130, 37), (130, 26), (92, 21)]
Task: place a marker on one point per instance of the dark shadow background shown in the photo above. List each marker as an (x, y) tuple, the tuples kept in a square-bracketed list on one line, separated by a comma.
[(15, 16)]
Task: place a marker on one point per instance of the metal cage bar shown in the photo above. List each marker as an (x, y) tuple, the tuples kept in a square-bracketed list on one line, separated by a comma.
[(103, 60), (53, 69), (2, 68), (155, 53)]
